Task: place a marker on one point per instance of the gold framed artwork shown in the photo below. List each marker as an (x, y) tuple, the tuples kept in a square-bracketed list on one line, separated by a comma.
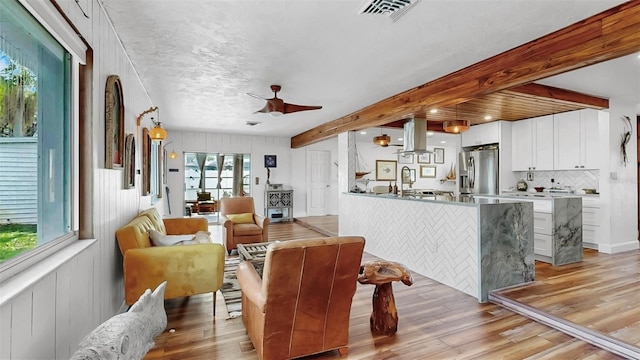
[(427, 171), (386, 170), (424, 158), (114, 123), (438, 155), (146, 162), (129, 162)]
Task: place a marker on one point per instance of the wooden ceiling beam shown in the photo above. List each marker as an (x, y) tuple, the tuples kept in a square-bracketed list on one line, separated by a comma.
[(608, 35), (559, 95)]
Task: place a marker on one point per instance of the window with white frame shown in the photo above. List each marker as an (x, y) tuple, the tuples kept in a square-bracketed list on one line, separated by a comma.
[(35, 135)]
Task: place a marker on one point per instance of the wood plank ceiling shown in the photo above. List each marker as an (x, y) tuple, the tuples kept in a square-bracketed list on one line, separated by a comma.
[(502, 79), (521, 102)]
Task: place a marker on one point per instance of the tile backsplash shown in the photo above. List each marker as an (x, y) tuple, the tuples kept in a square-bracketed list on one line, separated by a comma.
[(578, 179)]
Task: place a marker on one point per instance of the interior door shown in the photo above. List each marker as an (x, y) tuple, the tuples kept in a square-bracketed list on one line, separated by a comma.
[(318, 172)]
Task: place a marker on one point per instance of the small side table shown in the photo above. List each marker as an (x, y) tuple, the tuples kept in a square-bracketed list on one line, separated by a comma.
[(384, 317)]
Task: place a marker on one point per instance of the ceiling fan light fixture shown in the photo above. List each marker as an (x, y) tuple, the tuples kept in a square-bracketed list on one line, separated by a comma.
[(382, 140), (455, 126), (275, 113)]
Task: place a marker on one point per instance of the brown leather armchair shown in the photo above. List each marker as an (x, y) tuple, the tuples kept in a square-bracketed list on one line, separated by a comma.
[(240, 232), (301, 306)]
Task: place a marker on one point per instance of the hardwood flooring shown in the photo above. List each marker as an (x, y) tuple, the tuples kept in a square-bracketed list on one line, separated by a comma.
[(435, 321)]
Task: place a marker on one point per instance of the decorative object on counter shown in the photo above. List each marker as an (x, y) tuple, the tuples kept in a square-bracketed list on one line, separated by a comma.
[(451, 175), (438, 155), (626, 136), (590, 191), (424, 158), (522, 185), (390, 188), (360, 165), (386, 170), (539, 188), (395, 188), (384, 316), (427, 171)]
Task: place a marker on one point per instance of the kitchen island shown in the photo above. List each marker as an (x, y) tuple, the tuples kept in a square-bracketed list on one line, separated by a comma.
[(472, 245), (557, 226)]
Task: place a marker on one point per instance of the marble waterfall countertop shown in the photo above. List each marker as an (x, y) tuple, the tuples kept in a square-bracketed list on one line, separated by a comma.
[(473, 245)]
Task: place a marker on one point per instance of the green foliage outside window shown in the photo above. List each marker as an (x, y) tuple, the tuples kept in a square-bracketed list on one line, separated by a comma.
[(16, 239)]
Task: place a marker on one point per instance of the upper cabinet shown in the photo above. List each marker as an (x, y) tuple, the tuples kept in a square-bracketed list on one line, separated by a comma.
[(482, 134), (532, 142), (576, 139)]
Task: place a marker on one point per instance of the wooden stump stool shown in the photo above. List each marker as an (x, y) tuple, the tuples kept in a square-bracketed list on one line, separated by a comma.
[(384, 317)]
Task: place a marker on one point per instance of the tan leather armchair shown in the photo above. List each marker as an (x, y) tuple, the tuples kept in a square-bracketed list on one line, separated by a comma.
[(255, 231), (301, 306)]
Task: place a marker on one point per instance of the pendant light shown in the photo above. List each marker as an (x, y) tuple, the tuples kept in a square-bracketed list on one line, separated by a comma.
[(455, 126)]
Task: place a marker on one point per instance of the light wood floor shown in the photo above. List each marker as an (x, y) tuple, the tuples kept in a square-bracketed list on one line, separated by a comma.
[(436, 322)]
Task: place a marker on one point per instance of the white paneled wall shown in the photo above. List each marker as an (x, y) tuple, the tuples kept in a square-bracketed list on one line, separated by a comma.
[(50, 317), (256, 146)]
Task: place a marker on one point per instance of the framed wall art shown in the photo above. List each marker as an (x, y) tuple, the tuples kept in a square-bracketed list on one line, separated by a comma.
[(438, 156), (270, 161), (424, 158), (129, 162), (427, 171), (386, 170), (146, 162), (114, 123)]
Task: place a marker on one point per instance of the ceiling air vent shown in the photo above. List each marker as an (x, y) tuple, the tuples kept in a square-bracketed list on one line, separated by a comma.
[(393, 8)]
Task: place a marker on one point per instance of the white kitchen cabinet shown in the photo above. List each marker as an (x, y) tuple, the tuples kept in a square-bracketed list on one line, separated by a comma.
[(591, 222), (481, 134), (576, 140), (532, 143), (543, 233)]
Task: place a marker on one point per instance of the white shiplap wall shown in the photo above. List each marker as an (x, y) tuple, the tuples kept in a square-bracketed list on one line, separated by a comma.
[(50, 317)]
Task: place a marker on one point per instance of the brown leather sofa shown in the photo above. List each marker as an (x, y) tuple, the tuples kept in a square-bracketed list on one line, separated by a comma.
[(255, 231), (301, 306)]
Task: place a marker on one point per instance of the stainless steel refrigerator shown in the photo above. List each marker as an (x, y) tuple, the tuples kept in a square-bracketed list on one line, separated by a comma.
[(478, 172)]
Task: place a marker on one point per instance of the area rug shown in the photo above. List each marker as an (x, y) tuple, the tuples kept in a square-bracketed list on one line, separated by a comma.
[(231, 289)]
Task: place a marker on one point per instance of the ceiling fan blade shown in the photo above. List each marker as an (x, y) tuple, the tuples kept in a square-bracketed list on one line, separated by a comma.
[(256, 96), (290, 108), (273, 105)]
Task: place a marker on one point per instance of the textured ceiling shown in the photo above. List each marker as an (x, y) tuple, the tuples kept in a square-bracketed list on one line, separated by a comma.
[(199, 58)]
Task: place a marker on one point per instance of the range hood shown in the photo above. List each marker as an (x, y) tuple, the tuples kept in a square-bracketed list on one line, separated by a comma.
[(415, 137)]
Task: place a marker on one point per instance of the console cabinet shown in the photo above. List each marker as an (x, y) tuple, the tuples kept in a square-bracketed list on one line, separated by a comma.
[(278, 205)]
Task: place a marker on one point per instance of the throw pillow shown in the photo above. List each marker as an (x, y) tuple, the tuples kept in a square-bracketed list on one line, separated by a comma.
[(245, 218), (159, 239)]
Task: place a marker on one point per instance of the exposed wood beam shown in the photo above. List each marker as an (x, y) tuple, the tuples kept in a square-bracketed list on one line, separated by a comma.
[(608, 35), (560, 95)]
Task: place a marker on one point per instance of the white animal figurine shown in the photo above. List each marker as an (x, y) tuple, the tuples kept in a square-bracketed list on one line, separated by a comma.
[(127, 336)]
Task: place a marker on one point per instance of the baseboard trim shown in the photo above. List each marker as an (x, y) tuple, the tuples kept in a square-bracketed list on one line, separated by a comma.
[(618, 248), (593, 337)]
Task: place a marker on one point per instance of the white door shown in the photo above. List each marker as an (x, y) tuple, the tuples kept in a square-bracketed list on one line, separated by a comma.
[(318, 172)]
